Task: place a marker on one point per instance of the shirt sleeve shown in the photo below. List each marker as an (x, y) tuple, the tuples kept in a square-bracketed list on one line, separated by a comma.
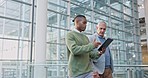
[(76, 49)]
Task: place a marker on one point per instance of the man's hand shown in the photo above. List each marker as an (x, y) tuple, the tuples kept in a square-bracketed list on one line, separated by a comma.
[(96, 75), (102, 51), (96, 44)]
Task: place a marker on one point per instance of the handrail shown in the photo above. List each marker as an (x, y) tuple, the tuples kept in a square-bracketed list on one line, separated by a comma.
[(67, 65), (130, 73), (47, 64), (116, 65), (130, 65)]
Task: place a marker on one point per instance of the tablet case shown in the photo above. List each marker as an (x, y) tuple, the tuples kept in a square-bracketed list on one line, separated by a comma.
[(105, 44)]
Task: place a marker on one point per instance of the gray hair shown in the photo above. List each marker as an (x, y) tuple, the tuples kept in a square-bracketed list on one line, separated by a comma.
[(101, 22)]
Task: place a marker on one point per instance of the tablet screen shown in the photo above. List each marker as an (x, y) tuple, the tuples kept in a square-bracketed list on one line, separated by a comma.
[(105, 44)]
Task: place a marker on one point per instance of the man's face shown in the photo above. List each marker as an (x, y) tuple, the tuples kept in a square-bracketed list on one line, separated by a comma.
[(82, 24), (101, 29)]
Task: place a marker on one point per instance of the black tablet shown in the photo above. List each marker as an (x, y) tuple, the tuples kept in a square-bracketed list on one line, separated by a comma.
[(105, 44)]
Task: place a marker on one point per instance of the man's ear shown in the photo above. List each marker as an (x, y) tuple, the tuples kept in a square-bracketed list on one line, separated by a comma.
[(96, 27)]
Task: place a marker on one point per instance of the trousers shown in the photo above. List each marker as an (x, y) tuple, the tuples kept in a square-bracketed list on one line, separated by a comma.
[(86, 75), (107, 73)]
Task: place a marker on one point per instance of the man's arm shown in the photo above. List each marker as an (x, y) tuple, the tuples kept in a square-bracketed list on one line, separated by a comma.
[(95, 54), (76, 49)]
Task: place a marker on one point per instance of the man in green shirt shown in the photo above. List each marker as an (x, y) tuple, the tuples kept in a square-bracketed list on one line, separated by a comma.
[(80, 51)]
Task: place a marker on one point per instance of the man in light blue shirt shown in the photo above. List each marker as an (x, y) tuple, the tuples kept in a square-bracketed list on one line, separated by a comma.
[(104, 64)]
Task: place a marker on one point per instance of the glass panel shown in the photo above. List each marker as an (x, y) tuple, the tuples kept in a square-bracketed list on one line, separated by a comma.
[(100, 6), (116, 24), (115, 33), (135, 5), (120, 74), (88, 27), (127, 19), (116, 6), (79, 9), (10, 49), (57, 14), (57, 20), (54, 34), (24, 49), (54, 70), (100, 17), (138, 32), (1, 27), (127, 3), (82, 3), (1, 48), (135, 14), (115, 14), (52, 53), (127, 11), (17, 10), (129, 37), (128, 25), (58, 6), (11, 28)]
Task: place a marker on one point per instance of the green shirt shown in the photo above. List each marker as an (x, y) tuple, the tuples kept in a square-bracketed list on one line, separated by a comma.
[(79, 53)]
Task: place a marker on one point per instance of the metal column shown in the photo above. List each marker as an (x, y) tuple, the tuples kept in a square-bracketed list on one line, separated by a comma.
[(146, 19), (40, 39)]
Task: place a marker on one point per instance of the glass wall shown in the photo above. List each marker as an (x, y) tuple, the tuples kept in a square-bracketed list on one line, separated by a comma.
[(14, 37), (17, 30)]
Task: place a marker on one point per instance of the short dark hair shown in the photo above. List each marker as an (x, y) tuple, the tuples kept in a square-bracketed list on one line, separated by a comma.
[(77, 17)]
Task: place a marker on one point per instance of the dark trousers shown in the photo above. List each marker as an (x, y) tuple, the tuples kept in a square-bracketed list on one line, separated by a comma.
[(107, 73)]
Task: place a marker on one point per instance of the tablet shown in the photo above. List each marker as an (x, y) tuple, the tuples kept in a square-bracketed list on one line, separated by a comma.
[(105, 44)]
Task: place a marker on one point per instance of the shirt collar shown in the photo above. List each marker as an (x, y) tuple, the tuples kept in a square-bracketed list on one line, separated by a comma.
[(100, 36), (76, 30)]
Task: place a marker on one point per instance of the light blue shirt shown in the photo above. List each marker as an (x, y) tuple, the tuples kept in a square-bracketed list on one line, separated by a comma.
[(107, 53)]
